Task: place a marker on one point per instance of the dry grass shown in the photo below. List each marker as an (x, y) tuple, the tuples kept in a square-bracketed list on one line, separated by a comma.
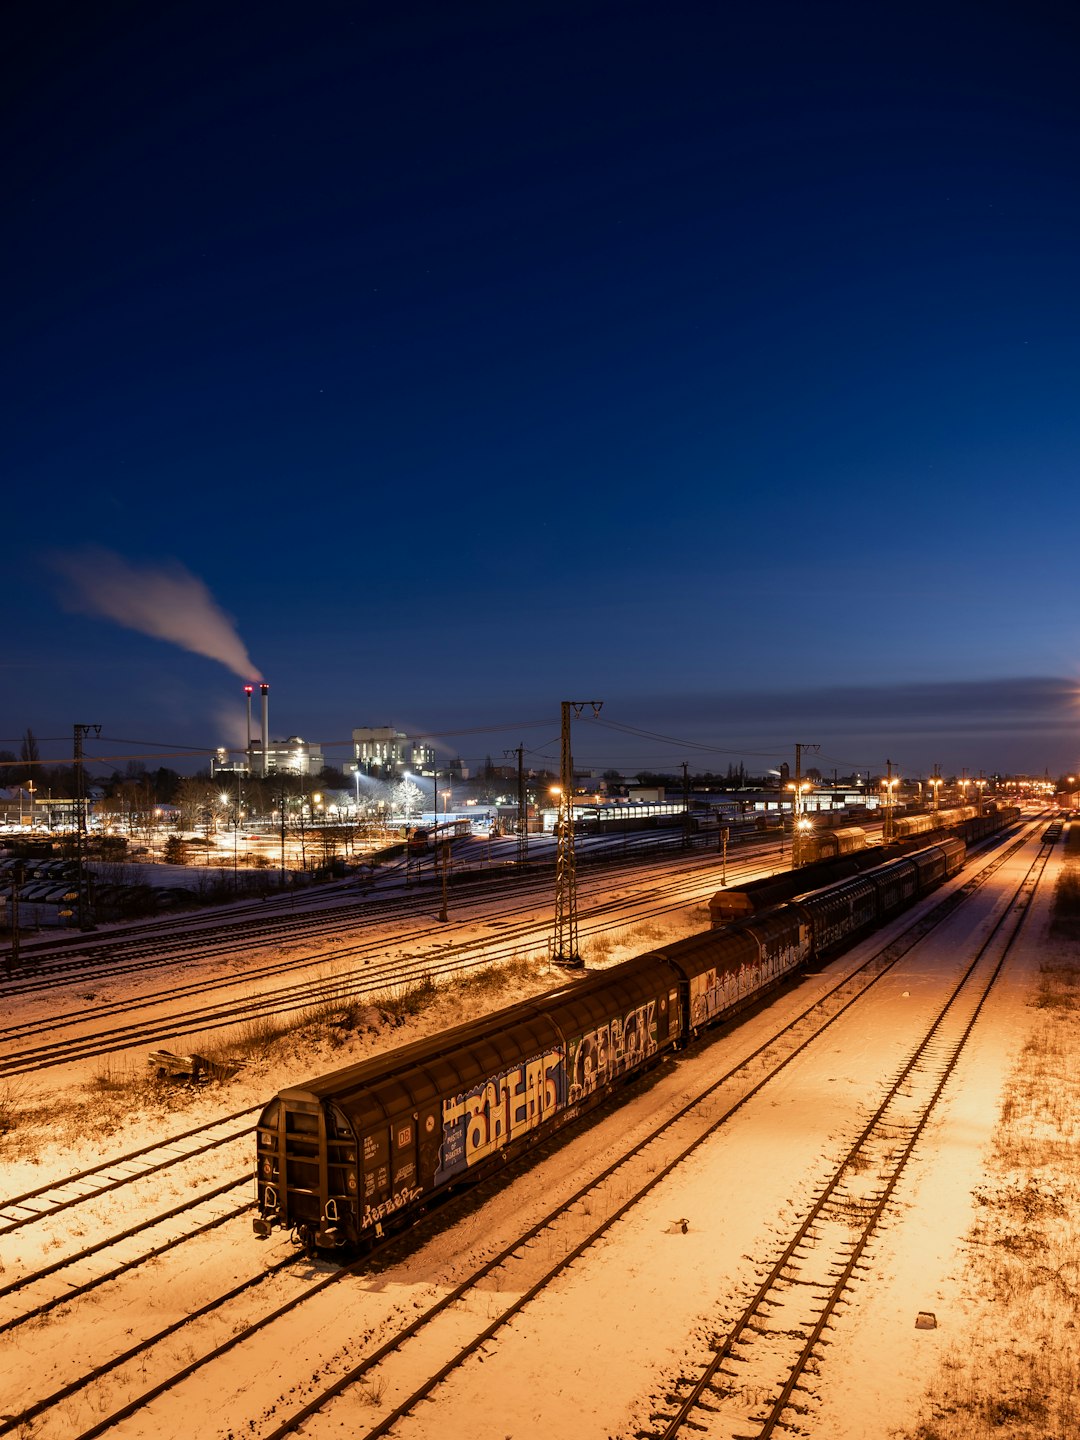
[(1017, 1373), (611, 946), (337, 1031)]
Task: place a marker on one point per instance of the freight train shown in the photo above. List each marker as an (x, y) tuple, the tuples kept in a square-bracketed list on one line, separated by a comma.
[(346, 1157), (827, 844), (842, 863)]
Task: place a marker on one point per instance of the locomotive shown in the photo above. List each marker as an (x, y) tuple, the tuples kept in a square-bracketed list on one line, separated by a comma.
[(347, 1156)]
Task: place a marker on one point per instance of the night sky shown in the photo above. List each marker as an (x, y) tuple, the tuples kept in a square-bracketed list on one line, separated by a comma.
[(442, 362)]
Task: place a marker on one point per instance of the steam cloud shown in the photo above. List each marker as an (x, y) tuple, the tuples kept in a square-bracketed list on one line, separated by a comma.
[(165, 601)]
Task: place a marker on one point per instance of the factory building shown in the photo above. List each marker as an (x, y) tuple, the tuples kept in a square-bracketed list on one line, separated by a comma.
[(294, 755), (385, 752)]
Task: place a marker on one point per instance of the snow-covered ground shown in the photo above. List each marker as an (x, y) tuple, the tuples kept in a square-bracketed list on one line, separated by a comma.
[(590, 1358)]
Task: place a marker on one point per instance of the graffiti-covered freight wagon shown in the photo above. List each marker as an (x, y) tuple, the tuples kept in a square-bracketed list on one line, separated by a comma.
[(341, 1156)]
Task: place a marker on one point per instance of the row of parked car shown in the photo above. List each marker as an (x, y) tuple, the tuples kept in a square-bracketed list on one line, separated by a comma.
[(49, 894)]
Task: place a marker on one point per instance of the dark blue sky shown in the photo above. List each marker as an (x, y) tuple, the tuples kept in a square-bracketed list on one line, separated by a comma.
[(717, 362)]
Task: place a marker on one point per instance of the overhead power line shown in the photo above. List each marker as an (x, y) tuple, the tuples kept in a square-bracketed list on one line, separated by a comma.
[(683, 744)]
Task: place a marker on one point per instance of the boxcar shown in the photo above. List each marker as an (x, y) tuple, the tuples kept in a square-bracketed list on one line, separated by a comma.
[(723, 971), (342, 1155), (897, 885), (840, 913)]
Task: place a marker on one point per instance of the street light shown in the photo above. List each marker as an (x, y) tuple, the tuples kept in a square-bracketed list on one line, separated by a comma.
[(798, 825), (889, 786)]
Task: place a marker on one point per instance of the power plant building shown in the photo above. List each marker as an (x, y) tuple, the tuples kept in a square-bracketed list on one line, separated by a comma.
[(383, 751), (295, 756), (264, 756)]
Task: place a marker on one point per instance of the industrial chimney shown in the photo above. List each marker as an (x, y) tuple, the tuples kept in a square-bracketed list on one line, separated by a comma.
[(265, 689), (247, 691)]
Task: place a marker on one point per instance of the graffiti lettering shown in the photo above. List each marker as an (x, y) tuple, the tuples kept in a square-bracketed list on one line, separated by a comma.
[(375, 1213), (713, 992), (598, 1057), (498, 1110)]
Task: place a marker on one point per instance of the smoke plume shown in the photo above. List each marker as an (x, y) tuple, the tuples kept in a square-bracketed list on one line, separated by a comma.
[(165, 601)]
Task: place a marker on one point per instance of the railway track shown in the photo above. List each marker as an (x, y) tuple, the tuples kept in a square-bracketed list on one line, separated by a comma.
[(395, 1396), (572, 1224), (38, 1292), (36, 1289), (782, 1328), (378, 973), (46, 1201), (249, 926), (226, 938), (51, 1285)]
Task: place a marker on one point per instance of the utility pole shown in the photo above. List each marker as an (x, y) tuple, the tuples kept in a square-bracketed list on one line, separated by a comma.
[(887, 823), (566, 931), (281, 813), (81, 731), (442, 853), (523, 804), (236, 839), (686, 805), (796, 809)]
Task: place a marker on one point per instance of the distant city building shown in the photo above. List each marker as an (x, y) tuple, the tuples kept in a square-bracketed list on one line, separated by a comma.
[(383, 751)]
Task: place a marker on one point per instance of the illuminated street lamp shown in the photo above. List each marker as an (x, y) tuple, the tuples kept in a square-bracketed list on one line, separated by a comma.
[(889, 786), (935, 782), (799, 824)]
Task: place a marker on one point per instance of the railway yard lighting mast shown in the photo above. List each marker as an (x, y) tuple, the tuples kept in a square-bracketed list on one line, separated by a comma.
[(799, 788), (566, 931), (890, 785), (523, 807), (935, 785)]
